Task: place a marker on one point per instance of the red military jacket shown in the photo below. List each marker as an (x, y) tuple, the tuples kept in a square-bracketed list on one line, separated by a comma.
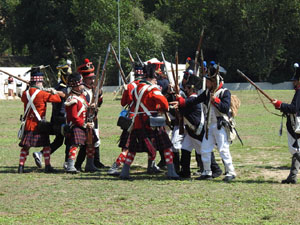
[(40, 103), (127, 94), (76, 108), (152, 99)]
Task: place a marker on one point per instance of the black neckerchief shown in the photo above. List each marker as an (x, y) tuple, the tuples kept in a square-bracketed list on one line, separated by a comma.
[(76, 92)]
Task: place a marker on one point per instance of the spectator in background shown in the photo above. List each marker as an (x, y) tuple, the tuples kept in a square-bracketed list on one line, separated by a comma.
[(10, 87), (19, 87)]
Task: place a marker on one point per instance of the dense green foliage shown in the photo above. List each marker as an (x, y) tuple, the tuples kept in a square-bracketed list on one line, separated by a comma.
[(259, 37)]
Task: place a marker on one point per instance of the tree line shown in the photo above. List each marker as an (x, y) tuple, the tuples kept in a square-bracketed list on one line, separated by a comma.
[(261, 38)]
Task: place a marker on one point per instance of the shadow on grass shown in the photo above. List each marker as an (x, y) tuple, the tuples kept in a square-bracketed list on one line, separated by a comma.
[(274, 167), (27, 169)]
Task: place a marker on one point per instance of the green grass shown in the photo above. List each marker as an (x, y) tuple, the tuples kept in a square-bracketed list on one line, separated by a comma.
[(255, 197)]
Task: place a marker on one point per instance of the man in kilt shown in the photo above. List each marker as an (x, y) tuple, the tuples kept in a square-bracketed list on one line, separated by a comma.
[(127, 101), (87, 70), (76, 109), (292, 112), (58, 118), (36, 99), (148, 102)]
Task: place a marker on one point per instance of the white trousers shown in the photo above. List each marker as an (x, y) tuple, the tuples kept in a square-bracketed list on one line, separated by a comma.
[(291, 142), (97, 144), (176, 139), (190, 143), (219, 138)]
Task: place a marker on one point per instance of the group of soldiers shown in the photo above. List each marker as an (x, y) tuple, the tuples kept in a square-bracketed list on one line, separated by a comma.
[(156, 119)]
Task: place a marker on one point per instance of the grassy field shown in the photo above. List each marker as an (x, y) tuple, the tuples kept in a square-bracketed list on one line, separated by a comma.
[(255, 197)]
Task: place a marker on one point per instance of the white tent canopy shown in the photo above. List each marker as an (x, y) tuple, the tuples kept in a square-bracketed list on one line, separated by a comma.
[(14, 71), (181, 69)]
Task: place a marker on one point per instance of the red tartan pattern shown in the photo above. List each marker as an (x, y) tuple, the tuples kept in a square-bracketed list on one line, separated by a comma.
[(33, 139), (160, 140)]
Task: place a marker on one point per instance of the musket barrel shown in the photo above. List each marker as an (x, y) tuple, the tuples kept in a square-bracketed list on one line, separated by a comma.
[(16, 77), (258, 88), (119, 65)]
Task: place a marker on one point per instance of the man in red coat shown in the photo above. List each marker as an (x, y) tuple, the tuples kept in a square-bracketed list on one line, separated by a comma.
[(87, 70), (76, 109), (148, 101), (126, 102), (35, 101)]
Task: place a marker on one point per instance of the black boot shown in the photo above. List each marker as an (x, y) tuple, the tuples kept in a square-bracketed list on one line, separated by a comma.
[(199, 165), (49, 169), (215, 169), (97, 162), (185, 164), (21, 169), (80, 158), (176, 162), (292, 178), (162, 162)]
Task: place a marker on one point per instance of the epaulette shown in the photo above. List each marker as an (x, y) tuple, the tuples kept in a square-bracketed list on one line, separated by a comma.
[(62, 85), (70, 101)]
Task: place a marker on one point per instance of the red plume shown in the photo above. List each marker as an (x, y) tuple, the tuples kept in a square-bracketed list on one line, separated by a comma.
[(86, 61)]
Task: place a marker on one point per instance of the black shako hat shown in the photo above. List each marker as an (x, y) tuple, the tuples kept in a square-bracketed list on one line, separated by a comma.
[(74, 80), (194, 82)]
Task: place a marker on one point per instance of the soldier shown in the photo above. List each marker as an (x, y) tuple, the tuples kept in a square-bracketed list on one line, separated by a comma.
[(35, 101), (58, 118), (87, 71), (194, 117), (76, 109), (217, 100), (126, 101), (292, 111), (148, 101)]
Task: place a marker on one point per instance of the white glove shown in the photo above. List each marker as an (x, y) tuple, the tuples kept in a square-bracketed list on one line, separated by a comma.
[(296, 65)]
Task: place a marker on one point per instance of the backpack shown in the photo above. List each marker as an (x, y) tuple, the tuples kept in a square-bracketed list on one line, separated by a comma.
[(235, 104)]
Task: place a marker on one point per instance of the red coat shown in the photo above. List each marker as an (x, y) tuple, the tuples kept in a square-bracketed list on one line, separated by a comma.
[(127, 94), (40, 103), (153, 100), (73, 106)]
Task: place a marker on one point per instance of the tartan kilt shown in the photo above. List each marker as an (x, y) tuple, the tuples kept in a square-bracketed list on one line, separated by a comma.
[(123, 139), (159, 138), (77, 136), (34, 139)]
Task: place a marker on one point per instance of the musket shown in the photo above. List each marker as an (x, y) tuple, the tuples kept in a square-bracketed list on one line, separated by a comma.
[(198, 49), (119, 65), (177, 113), (168, 121), (139, 59), (16, 77), (209, 105), (97, 80), (176, 60), (72, 52), (175, 80), (202, 71), (166, 69), (92, 111), (130, 56), (100, 84), (251, 82)]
